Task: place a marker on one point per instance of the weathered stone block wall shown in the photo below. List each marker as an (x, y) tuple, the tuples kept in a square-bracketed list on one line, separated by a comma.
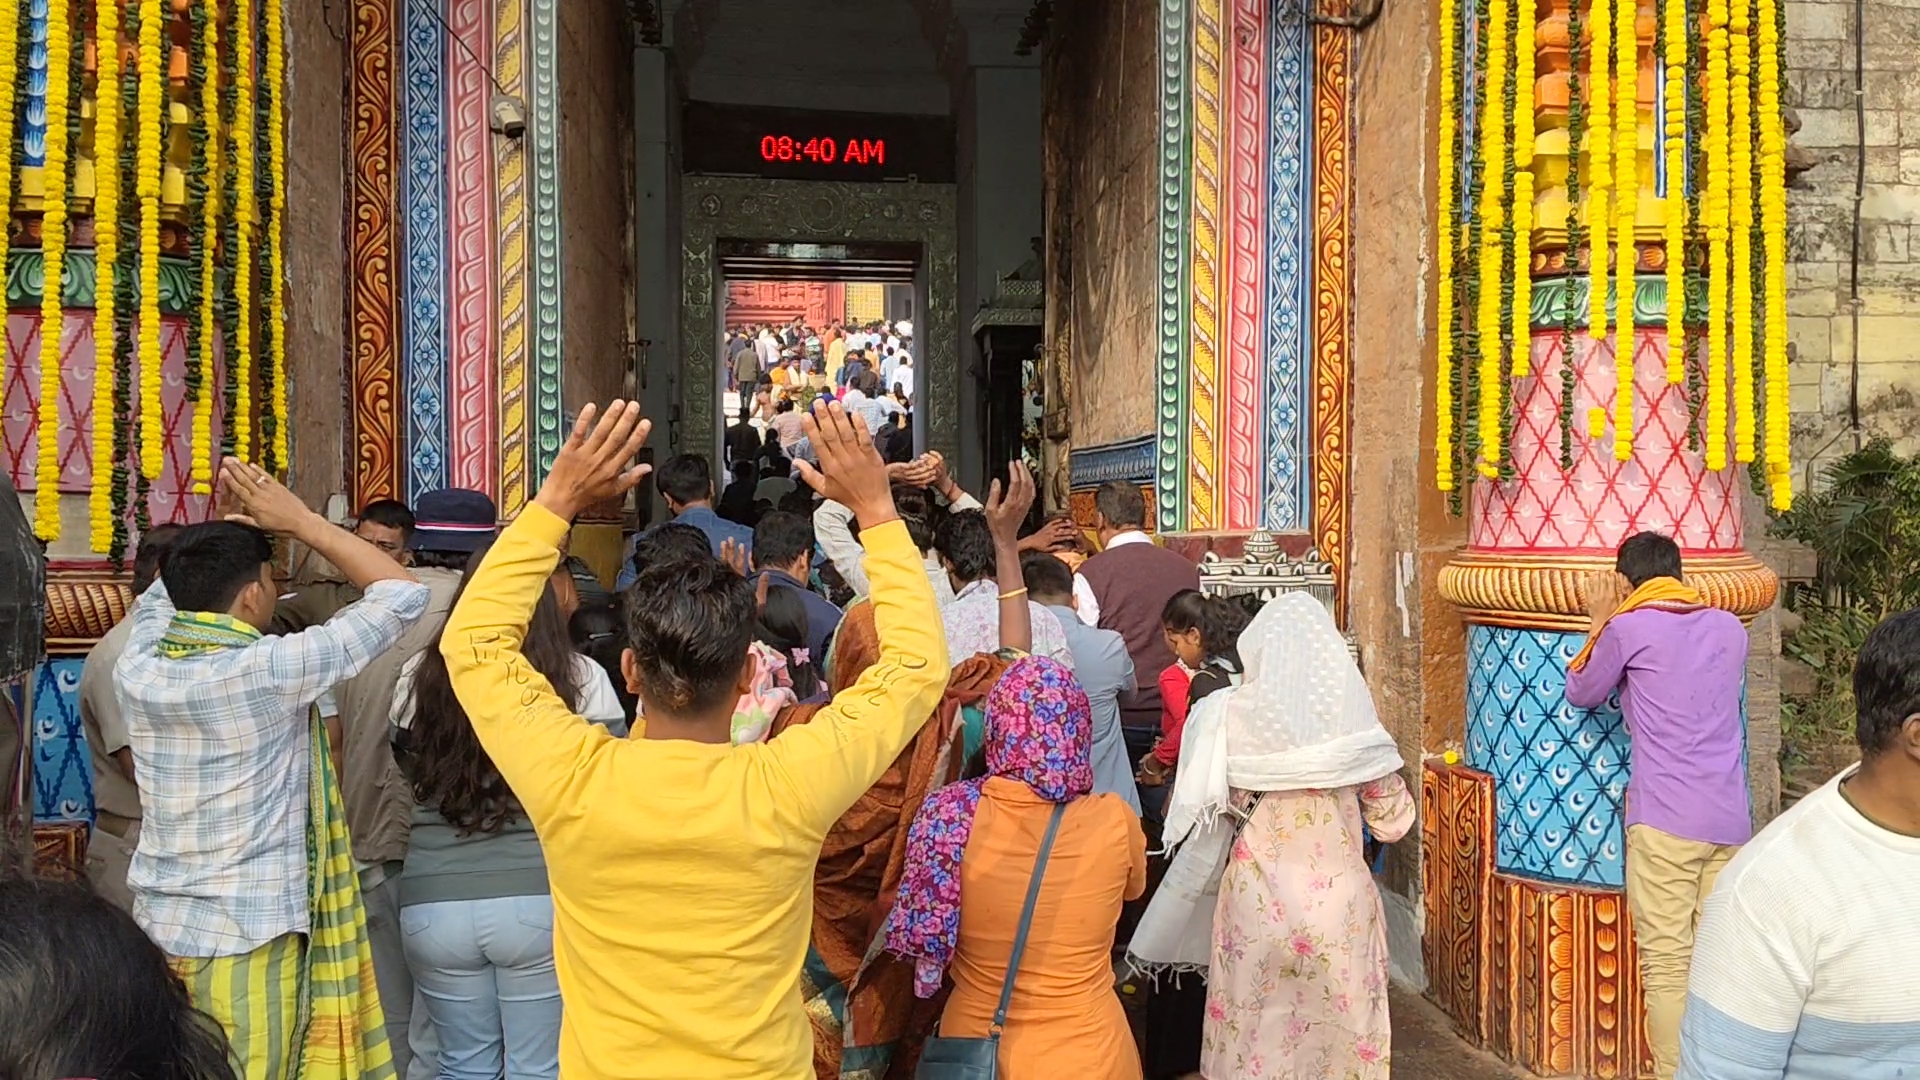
[(596, 188), (1821, 322), (1098, 93)]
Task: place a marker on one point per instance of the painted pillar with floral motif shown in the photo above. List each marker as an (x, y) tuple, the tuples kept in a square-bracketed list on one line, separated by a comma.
[(1566, 428)]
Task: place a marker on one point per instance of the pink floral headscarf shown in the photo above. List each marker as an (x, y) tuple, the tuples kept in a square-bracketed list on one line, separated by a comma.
[(1039, 732)]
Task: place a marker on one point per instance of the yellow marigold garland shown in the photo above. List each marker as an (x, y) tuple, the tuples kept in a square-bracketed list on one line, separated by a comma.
[(1714, 209), (244, 216), (53, 251), (1773, 239), (1493, 187), (1626, 152), (1674, 207), (1523, 56), (106, 251), (208, 313), (9, 76), (1600, 152), (1444, 253), (276, 214), (153, 75), (1740, 224)]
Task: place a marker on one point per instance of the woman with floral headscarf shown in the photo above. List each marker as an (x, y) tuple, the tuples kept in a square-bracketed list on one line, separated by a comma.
[(1279, 781), (970, 858)]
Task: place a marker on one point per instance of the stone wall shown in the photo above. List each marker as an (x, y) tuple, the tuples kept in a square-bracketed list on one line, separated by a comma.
[(596, 189), (1821, 320), (1098, 92)]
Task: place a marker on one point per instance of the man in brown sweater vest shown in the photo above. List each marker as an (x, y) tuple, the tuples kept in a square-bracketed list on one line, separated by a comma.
[(1124, 588)]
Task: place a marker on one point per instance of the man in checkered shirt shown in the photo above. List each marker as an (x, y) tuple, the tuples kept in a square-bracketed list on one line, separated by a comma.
[(219, 722)]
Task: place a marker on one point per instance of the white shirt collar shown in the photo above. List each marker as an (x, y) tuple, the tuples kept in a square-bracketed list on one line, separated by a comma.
[(1131, 536)]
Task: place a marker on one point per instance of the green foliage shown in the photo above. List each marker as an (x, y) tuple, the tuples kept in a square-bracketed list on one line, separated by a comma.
[(1864, 525)]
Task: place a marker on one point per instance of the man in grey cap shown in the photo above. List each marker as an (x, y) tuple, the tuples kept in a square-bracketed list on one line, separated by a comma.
[(449, 526)]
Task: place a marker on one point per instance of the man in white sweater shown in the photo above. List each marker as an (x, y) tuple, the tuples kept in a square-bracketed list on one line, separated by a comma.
[(1806, 963)]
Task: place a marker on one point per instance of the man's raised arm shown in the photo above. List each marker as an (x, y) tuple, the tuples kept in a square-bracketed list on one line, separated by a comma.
[(531, 734)]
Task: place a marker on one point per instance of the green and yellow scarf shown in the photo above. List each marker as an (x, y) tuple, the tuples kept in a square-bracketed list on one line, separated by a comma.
[(342, 1029)]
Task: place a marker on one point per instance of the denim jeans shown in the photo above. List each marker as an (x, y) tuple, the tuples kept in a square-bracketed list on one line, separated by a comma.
[(485, 971)]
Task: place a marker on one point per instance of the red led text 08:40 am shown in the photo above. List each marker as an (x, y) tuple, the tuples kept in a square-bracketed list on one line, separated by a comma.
[(823, 150)]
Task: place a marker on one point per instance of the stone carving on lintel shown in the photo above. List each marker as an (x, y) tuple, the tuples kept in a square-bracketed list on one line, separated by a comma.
[(1264, 571)]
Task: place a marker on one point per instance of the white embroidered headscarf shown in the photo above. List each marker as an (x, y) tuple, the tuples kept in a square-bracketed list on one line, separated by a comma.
[(1301, 719)]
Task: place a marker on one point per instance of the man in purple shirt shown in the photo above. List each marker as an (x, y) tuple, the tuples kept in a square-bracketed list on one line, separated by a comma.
[(1680, 667)]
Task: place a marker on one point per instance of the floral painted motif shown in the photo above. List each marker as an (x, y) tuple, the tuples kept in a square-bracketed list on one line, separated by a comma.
[(1298, 984), (1039, 732)]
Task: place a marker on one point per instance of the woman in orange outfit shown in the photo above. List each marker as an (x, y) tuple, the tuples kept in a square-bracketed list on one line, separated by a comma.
[(970, 858)]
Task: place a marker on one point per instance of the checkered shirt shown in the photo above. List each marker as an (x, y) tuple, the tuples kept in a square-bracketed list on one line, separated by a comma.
[(222, 752)]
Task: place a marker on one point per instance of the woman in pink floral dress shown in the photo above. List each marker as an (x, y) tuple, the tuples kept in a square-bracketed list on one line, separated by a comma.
[(1297, 969)]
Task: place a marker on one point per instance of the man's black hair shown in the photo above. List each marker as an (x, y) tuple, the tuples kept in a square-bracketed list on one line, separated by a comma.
[(1648, 555), (670, 544), (212, 562), (967, 543), (917, 508), (430, 559), (779, 538), (1045, 575), (689, 625), (155, 543), (783, 405), (391, 513), (685, 478), (1886, 682), (1121, 504)]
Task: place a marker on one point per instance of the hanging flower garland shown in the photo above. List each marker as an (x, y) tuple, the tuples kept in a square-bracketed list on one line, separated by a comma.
[(1674, 205), (1626, 152), (106, 254), (1773, 233), (152, 98), (1576, 233), (1492, 253), (273, 291), (1526, 21), (9, 77), (1600, 152), (1740, 226), (1719, 258), (205, 186), (1444, 254), (127, 477), (53, 251), (245, 214)]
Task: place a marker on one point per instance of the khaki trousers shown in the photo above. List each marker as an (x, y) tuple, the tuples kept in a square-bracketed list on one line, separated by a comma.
[(1668, 881)]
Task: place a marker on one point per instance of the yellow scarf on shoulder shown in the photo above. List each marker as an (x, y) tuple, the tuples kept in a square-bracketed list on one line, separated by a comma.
[(1663, 593)]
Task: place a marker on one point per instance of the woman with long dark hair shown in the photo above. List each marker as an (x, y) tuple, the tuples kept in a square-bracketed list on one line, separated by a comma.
[(474, 904), (783, 628)]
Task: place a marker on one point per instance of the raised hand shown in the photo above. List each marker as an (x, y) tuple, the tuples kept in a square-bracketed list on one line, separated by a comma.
[(262, 500), (1054, 534), (1603, 594), (850, 470), (734, 554), (595, 463), (1007, 507)]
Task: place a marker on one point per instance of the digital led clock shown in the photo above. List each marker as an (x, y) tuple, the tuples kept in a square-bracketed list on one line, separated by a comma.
[(823, 149), (813, 144)]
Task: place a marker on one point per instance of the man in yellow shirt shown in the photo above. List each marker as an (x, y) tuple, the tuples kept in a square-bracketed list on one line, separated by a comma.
[(682, 866)]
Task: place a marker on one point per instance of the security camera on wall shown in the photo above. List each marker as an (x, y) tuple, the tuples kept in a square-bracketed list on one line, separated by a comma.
[(509, 116)]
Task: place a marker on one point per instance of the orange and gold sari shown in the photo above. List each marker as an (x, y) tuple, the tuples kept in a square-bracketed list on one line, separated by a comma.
[(866, 1022)]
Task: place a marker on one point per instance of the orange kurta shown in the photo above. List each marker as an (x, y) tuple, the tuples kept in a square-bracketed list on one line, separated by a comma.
[(1066, 1019)]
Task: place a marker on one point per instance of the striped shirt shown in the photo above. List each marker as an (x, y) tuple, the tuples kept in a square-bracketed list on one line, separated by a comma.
[(1804, 964), (221, 746)]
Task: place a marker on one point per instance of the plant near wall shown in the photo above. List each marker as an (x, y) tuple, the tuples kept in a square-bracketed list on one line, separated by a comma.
[(1863, 524)]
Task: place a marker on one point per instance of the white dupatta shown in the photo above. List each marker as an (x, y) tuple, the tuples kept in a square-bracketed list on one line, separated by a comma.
[(1303, 719)]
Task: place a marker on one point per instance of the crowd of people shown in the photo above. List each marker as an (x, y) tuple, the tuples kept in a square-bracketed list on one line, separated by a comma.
[(870, 780)]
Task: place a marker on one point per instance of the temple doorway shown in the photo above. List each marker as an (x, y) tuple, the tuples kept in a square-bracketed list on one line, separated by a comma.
[(796, 323)]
